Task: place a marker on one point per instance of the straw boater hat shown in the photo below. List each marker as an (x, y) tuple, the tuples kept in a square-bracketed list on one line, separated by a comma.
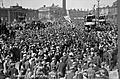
[(45, 58), (24, 55), (74, 63), (71, 54), (53, 58), (71, 68)]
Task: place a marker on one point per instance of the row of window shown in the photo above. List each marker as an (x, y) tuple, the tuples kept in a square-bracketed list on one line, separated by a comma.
[(4, 18), (14, 19)]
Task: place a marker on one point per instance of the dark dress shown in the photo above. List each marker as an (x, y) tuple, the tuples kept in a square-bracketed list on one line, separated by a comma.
[(62, 69), (2, 76), (13, 71)]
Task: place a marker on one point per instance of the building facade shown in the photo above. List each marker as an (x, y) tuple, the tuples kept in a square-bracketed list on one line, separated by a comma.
[(109, 11), (53, 12), (44, 13), (17, 13), (50, 13), (77, 15)]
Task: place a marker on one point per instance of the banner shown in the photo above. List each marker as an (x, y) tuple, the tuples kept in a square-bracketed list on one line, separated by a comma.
[(67, 18)]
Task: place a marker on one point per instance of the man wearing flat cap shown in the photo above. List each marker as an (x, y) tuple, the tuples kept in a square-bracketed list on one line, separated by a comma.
[(53, 74), (27, 64), (70, 74), (13, 71), (53, 63), (91, 71), (2, 76)]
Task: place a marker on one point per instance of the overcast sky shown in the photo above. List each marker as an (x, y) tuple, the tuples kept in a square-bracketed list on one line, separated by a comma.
[(71, 4)]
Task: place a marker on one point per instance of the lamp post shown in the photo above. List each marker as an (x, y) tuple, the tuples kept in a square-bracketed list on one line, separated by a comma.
[(98, 10), (2, 4)]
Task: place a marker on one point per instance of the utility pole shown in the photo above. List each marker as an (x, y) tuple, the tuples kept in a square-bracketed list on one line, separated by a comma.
[(98, 10)]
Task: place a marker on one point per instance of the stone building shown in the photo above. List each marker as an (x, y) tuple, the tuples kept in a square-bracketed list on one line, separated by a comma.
[(77, 15), (50, 13), (109, 11), (17, 13)]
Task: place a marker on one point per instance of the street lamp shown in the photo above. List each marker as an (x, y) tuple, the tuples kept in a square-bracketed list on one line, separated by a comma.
[(98, 8)]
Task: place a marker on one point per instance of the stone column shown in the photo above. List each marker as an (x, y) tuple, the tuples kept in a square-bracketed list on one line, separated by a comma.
[(64, 7)]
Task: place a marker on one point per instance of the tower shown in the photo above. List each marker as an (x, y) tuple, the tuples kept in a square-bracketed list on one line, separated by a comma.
[(64, 7)]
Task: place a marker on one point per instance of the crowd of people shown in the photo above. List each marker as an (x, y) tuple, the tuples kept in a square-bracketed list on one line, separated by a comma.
[(57, 51)]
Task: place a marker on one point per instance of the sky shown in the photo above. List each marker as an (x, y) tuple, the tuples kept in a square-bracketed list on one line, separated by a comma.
[(71, 4)]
